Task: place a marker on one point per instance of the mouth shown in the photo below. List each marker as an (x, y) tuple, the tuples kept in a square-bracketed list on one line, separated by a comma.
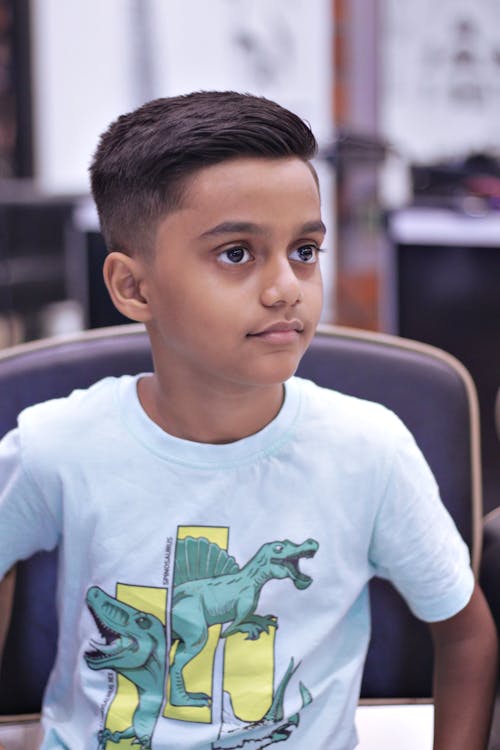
[(112, 645), (281, 332), (301, 580)]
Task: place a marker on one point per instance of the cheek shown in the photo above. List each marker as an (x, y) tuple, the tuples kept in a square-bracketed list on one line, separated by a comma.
[(174, 304), (314, 296), (199, 316)]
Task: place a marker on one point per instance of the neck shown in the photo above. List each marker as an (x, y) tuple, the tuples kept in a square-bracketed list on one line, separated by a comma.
[(258, 571), (210, 414)]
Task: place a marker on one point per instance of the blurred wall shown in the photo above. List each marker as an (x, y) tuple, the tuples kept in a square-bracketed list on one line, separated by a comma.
[(94, 60)]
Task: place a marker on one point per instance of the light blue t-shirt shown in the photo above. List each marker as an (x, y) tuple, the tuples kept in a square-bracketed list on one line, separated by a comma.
[(215, 596)]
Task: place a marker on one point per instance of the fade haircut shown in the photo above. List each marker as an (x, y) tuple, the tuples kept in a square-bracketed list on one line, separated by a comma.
[(142, 165)]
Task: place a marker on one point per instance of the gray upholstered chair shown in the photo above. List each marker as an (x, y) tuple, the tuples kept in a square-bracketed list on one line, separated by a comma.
[(427, 388)]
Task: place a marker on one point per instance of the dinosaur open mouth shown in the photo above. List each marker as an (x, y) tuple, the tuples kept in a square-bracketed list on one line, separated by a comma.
[(114, 643), (301, 580)]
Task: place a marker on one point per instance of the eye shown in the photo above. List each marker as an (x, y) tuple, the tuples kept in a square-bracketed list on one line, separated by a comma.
[(278, 548), (143, 622), (305, 254), (235, 256)]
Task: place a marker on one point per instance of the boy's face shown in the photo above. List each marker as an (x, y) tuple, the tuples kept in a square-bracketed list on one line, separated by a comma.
[(234, 287)]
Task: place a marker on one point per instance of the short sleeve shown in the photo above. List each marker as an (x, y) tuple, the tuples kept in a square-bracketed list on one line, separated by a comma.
[(415, 543), (26, 523)]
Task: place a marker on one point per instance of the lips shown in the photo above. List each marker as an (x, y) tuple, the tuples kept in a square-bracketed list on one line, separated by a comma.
[(284, 332), (292, 326)]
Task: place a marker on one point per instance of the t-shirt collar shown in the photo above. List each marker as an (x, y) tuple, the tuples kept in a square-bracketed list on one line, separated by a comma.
[(265, 442)]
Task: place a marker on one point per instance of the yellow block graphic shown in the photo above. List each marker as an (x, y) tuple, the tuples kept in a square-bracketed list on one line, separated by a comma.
[(121, 710), (198, 674), (217, 534), (248, 671), (249, 674)]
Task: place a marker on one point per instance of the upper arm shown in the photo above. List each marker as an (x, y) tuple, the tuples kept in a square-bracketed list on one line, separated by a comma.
[(6, 599), (464, 676), (28, 520), (473, 622)]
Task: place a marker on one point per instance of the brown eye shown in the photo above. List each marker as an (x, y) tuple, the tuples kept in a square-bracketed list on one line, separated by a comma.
[(305, 254), (235, 255)]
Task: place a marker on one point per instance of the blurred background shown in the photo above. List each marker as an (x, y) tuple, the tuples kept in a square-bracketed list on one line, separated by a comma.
[(404, 98)]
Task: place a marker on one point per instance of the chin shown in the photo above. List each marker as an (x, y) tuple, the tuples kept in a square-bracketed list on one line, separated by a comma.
[(275, 372)]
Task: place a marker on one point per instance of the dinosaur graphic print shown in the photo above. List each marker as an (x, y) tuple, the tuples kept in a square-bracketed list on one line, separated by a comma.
[(214, 606), (135, 648)]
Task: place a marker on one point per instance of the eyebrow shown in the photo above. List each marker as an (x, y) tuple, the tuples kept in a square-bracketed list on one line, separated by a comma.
[(247, 227)]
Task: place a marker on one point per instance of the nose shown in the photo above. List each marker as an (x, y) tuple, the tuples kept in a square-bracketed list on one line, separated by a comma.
[(281, 285)]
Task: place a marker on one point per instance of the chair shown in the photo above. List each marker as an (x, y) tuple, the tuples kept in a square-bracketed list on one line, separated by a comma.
[(427, 388)]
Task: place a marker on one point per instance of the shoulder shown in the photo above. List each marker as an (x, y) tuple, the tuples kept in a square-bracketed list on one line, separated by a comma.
[(345, 415), (73, 418), (360, 436)]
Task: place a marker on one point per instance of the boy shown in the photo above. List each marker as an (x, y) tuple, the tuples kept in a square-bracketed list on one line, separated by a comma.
[(219, 520)]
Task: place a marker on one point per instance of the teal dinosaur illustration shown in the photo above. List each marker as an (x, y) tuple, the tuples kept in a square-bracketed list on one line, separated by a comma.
[(271, 729), (211, 589), (134, 646)]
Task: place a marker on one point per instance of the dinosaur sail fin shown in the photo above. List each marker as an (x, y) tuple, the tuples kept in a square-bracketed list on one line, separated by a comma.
[(196, 559)]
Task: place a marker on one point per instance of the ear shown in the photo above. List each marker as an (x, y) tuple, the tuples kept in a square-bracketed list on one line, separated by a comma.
[(123, 277)]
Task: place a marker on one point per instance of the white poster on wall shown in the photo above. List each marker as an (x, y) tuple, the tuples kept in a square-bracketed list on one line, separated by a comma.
[(281, 49), (440, 83)]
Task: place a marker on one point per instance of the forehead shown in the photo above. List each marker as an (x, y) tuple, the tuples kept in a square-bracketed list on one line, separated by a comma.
[(245, 174), (270, 193)]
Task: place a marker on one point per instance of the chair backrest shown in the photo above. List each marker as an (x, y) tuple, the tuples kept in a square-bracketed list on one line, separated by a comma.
[(427, 388)]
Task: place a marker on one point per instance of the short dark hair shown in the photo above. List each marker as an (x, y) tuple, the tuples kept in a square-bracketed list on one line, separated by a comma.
[(141, 165)]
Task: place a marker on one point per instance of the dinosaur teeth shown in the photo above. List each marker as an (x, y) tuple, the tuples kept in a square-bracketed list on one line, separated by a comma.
[(292, 565), (97, 645), (109, 636), (101, 652), (106, 632), (94, 655)]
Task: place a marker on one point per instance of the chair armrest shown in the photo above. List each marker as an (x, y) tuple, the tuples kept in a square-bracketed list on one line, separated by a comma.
[(21, 732), (497, 413), (490, 563)]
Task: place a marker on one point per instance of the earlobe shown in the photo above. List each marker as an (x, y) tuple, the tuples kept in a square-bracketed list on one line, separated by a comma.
[(123, 277)]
